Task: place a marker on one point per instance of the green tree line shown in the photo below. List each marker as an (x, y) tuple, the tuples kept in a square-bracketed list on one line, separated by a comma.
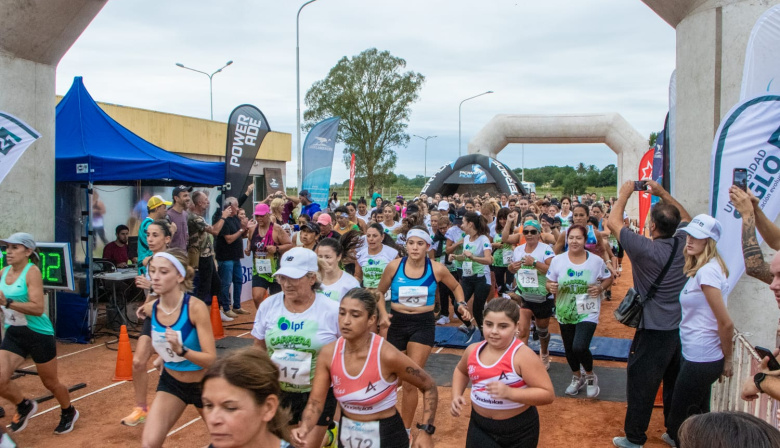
[(573, 180)]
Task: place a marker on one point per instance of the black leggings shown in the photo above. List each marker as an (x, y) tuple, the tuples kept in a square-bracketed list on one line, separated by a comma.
[(503, 277), (692, 392), (477, 285), (576, 342), (520, 431)]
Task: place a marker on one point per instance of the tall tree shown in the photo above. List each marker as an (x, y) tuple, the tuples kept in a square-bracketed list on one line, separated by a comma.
[(372, 95)]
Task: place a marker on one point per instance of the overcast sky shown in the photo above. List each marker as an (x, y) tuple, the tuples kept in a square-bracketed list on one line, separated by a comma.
[(550, 57)]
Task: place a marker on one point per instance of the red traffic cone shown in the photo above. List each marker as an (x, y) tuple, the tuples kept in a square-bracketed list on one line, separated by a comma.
[(659, 397), (216, 320), (124, 357)]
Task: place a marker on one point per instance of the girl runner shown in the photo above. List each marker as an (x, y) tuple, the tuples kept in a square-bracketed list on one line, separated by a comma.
[(28, 332), (308, 235), (362, 211), (373, 257), (477, 253), (267, 242), (412, 284), (565, 214), (389, 224), (578, 278), (335, 282), (182, 336), (365, 372), (507, 383)]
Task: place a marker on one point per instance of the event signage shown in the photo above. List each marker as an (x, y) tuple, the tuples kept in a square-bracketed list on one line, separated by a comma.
[(15, 137), (273, 180), (317, 158), (761, 74), (56, 265), (351, 176), (645, 198), (247, 127), (748, 137)]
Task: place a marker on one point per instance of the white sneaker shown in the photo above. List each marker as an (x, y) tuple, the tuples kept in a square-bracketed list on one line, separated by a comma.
[(592, 385), (444, 320), (225, 318), (577, 383)]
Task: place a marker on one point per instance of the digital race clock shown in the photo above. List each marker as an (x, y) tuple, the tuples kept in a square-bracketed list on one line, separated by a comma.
[(56, 265)]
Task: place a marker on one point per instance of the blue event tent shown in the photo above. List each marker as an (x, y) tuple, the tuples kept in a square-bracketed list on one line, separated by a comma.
[(91, 147)]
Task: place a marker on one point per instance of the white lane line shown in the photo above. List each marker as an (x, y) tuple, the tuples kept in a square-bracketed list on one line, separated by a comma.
[(182, 426), (440, 349), (242, 334), (74, 353)]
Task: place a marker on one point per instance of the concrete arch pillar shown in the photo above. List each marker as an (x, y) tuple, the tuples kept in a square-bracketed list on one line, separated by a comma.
[(34, 35), (610, 129)]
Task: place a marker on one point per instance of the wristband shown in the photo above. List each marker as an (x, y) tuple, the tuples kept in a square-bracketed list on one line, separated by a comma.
[(463, 304)]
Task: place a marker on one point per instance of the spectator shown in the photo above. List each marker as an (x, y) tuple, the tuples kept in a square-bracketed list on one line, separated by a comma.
[(307, 206), (200, 249), (98, 210), (229, 249), (726, 430), (117, 251), (334, 201), (178, 216), (655, 350), (155, 209)]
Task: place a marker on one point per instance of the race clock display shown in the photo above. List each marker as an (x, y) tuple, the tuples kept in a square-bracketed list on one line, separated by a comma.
[(56, 265)]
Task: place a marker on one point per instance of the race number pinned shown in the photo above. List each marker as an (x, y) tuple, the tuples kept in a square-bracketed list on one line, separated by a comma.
[(527, 278), (468, 268), (163, 347), (413, 296), (14, 318), (587, 304), (507, 254), (353, 434), (294, 366), (263, 265)]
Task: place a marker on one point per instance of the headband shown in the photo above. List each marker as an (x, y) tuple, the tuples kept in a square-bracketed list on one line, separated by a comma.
[(419, 234), (176, 263)]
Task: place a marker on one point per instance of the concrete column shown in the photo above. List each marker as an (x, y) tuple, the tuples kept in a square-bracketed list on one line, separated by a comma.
[(34, 35)]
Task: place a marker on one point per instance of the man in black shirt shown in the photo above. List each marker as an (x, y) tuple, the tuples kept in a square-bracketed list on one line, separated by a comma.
[(228, 250)]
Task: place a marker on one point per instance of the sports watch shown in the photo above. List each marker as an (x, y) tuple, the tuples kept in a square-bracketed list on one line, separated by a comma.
[(430, 429), (758, 379)]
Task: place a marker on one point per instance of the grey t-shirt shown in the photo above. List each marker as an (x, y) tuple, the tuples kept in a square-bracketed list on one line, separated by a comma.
[(182, 233), (648, 258)]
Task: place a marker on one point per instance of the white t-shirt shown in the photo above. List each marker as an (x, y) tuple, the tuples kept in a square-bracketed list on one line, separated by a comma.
[(699, 327), (374, 265), (455, 234), (390, 230), (492, 227), (572, 303), (294, 340), (337, 290), (365, 217), (524, 277), (565, 220), (477, 248)]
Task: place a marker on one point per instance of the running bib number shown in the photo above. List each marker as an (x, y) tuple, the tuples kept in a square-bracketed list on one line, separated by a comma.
[(294, 366), (587, 304), (507, 254), (14, 318), (527, 278), (263, 265), (354, 434), (163, 347), (468, 269), (413, 296)]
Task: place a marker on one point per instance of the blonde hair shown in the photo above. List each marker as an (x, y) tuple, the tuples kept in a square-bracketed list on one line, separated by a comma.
[(276, 205), (695, 262), (180, 255)]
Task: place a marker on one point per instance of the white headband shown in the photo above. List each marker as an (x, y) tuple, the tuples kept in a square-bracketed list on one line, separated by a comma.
[(176, 263), (419, 234)]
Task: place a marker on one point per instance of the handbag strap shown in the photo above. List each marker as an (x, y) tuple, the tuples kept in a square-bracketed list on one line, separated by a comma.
[(654, 286)]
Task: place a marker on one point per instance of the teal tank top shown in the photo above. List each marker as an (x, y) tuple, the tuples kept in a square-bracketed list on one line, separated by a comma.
[(17, 291)]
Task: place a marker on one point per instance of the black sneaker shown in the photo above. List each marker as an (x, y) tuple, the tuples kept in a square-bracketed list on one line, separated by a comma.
[(608, 295), (24, 411), (67, 419)]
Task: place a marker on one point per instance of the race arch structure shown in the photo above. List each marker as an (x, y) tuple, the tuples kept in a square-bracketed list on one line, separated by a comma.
[(610, 129), (475, 174)]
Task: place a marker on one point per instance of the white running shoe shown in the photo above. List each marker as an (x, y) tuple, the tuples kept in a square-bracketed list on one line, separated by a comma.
[(592, 385), (444, 320), (225, 317), (577, 383)]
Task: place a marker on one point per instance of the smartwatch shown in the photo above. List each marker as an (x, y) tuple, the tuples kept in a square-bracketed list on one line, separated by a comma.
[(184, 351), (8, 303), (430, 429), (758, 379)]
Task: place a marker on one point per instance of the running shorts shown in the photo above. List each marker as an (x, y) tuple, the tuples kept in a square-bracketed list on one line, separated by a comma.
[(406, 328), (24, 342), (541, 310), (520, 431), (260, 282), (189, 393), (392, 433), (296, 402)]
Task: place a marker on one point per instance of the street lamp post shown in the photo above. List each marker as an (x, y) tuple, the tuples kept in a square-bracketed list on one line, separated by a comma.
[(459, 115), (298, 92), (211, 94), (425, 168)]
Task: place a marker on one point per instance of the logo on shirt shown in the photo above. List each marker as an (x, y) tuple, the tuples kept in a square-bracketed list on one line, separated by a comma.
[(573, 273), (370, 387), (285, 324)]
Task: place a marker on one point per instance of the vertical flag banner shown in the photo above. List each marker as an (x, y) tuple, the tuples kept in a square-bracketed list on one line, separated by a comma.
[(318, 159), (748, 137), (658, 163), (645, 198), (351, 177), (15, 137), (247, 127), (761, 74), (273, 180), (671, 136)]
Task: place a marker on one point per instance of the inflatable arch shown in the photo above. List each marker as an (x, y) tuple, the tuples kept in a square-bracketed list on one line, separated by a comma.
[(473, 173)]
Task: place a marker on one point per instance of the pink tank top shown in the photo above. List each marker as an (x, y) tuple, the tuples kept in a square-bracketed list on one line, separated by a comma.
[(368, 392), (503, 370)]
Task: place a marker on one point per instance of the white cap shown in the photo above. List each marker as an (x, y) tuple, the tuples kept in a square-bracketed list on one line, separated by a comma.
[(443, 205), (298, 262), (703, 226)]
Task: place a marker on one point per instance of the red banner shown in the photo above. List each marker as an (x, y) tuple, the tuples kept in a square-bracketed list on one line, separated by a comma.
[(351, 177), (645, 198)]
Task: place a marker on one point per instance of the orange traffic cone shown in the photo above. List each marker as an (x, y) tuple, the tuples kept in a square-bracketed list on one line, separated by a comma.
[(216, 319), (124, 357), (659, 397)]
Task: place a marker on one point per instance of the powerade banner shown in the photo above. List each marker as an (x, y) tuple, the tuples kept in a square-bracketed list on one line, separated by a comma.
[(645, 198), (318, 159), (470, 175), (247, 127), (761, 74), (748, 137), (15, 137), (472, 169)]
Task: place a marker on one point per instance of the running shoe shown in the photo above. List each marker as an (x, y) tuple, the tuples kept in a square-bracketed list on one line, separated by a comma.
[(24, 411), (577, 383), (592, 385), (240, 311), (225, 317), (332, 435), (468, 330), (67, 419), (231, 314), (668, 439), (622, 442), (545, 360), (444, 320), (135, 418), (608, 295)]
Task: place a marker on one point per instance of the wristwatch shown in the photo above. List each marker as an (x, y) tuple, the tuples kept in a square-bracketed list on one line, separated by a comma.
[(184, 351), (758, 379), (430, 429), (8, 303)]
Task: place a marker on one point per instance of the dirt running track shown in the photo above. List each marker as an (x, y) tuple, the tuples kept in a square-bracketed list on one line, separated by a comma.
[(567, 422)]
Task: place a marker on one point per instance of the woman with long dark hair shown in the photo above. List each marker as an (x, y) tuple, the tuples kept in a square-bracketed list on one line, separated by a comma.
[(476, 256)]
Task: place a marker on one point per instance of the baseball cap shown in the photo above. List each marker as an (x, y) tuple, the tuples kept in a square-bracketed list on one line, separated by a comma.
[(262, 209), (298, 262), (25, 239), (324, 219), (704, 226), (156, 201), (305, 193), (443, 205), (180, 189)]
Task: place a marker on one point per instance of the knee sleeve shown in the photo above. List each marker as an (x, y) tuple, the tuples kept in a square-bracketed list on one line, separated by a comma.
[(544, 333)]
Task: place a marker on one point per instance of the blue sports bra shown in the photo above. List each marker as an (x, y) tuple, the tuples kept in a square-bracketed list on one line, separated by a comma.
[(413, 292), (188, 335)]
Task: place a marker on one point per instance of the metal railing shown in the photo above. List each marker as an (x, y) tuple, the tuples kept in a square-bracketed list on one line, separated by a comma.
[(726, 395)]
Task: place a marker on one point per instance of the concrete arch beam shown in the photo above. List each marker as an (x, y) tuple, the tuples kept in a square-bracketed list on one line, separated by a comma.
[(610, 129)]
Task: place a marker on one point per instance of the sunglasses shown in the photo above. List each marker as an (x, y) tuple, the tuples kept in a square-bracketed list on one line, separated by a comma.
[(530, 232)]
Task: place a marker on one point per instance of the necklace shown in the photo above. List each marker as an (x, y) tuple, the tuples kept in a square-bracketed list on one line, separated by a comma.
[(168, 313)]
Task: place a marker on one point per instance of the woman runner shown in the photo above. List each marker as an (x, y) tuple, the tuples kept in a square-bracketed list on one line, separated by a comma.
[(477, 254), (389, 224), (267, 242), (335, 282), (567, 219), (502, 253), (373, 257)]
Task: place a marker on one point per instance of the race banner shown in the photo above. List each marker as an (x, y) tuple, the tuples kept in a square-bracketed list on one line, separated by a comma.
[(658, 163), (645, 198), (761, 74), (247, 127), (748, 137), (351, 177), (15, 137), (273, 180), (317, 157)]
